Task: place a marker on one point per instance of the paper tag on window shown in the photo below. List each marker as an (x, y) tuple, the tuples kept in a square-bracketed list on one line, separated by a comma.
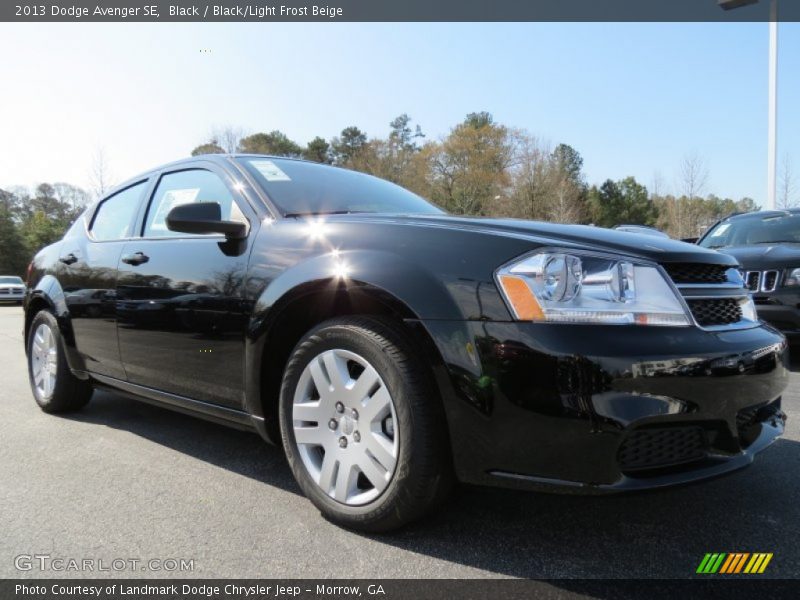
[(269, 170)]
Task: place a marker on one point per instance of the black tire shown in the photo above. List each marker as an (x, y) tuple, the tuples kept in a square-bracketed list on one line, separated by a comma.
[(68, 393), (423, 475)]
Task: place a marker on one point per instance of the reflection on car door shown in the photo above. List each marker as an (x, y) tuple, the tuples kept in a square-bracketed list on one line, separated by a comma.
[(180, 298), (88, 273)]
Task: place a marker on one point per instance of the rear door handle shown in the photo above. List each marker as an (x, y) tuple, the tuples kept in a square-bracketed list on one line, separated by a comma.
[(69, 259), (136, 258)]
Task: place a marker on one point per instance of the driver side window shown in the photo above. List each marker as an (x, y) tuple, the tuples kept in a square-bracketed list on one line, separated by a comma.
[(185, 187)]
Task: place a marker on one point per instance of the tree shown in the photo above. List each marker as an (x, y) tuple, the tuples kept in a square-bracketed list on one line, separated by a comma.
[(568, 204), (477, 120), (401, 134), (621, 202), (693, 179), (274, 143), (786, 185), (318, 150), (569, 161), (470, 167), (100, 174), (210, 147), (694, 175), (228, 137), (13, 253), (348, 145)]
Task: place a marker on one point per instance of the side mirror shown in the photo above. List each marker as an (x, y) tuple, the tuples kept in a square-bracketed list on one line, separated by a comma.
[(690, 240), (203, 218)]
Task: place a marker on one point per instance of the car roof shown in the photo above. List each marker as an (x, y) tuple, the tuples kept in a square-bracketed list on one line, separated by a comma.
[(763, 214), (221, 159)]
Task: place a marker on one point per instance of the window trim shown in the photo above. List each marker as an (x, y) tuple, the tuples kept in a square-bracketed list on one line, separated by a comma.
[(131, 225), (141, 218)]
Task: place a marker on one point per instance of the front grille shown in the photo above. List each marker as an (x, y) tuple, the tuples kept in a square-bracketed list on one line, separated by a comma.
[(11, 290), (646, 449), (694, 273), (761, 281), (715, 311)]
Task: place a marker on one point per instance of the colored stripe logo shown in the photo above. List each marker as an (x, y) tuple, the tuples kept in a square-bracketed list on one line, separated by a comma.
[(734, 563)]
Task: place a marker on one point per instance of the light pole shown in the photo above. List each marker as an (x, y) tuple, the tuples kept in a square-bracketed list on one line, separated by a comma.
[(772, 127)]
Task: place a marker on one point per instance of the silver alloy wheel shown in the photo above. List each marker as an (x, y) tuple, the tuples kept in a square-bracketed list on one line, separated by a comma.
[(44, 361), (344, 419)]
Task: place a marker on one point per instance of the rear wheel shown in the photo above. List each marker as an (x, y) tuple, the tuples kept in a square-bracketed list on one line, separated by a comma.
[(54, 387), (362, 427)]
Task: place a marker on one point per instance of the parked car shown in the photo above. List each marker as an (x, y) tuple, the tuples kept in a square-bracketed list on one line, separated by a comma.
[(12, 289), (766, 244), (393, 349), (643, 229)]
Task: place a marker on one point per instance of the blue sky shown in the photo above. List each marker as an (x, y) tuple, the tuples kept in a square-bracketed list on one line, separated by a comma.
[(634, 99)]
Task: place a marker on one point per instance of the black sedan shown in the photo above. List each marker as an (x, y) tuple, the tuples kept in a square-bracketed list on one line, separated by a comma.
[(393, 349)]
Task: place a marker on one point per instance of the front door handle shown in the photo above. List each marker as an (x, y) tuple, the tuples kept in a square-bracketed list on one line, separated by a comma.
[(136, 258), (69, 259)]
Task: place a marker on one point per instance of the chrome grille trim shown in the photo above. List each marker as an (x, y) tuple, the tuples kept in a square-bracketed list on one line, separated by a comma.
[(752, 280), (766, 285)]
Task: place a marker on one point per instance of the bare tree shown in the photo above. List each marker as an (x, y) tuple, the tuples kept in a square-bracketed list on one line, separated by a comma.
[(100, 174), (692, 181), (228, 137), (786, 184), (693, 176), (658, 187)]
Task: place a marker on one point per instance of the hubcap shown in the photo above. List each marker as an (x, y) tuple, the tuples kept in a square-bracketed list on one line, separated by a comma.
[(44, 361), (343, 421)]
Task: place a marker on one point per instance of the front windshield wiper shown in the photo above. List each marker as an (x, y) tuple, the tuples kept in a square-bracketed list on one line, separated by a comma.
[(315, 213), (778, 242)]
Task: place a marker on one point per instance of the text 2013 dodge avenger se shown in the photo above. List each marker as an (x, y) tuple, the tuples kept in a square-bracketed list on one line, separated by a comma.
[(393, 349)]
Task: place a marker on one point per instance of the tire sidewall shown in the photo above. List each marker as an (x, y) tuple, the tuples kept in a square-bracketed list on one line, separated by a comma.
[(338, 336), (47, 318)]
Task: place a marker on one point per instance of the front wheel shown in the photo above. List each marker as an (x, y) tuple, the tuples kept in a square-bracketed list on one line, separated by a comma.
[(54, 387), (362, 427)]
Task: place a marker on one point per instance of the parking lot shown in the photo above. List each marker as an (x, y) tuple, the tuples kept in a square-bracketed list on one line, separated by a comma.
[(122, 479)]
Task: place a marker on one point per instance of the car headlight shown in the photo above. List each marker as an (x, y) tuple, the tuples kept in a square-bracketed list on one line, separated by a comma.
[(565, 287), (792, 277)]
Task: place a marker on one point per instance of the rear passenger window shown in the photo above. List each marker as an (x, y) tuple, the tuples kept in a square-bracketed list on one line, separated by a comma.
[(186, 187), (112, 221)]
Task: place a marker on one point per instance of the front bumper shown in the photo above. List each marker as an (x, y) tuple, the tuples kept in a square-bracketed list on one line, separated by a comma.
[(781, 309), (604, 408)]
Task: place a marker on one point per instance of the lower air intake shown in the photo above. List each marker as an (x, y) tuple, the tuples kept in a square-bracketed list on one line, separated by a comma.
[(646, 449)]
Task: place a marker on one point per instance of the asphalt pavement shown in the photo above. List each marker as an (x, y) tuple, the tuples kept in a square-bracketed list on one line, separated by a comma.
[(125, 480)]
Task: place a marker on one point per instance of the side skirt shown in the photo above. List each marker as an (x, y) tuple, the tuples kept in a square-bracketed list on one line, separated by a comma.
[(196, 408)]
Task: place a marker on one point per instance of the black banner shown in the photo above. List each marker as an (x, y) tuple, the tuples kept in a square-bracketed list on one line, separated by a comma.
[(390, 589), (399, 10)]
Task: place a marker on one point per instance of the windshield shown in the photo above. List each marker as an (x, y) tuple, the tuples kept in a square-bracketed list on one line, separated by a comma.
[(304, 188), (773, 229), (16, 280)]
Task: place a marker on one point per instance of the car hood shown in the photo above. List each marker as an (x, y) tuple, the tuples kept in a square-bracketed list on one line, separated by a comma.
[(11, 285), (765, 256), (569, 236)]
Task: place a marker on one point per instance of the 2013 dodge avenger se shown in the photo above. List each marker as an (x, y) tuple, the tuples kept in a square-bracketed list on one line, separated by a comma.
[(393, 349)]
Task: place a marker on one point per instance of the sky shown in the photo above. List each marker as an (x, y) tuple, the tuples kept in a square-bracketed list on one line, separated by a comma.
[(633, 99)]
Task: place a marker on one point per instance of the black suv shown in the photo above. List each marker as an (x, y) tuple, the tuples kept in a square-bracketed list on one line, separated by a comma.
[(767, 246), (393, 349)]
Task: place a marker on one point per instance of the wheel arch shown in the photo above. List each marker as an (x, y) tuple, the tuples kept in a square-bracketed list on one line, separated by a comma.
[(276, 330)]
